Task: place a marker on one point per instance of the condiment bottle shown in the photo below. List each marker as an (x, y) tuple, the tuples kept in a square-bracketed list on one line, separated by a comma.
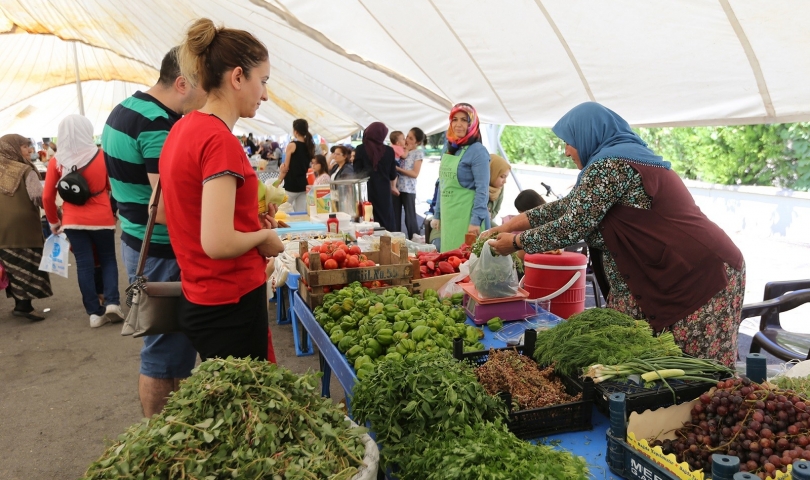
[(332, 224), (368, 210)]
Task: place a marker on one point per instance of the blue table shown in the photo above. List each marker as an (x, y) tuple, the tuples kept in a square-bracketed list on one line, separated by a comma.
[(590, 444)]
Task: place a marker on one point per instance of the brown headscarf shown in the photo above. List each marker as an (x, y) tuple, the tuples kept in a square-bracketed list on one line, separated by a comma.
[(13, 166), (373, 138), (497, 167)]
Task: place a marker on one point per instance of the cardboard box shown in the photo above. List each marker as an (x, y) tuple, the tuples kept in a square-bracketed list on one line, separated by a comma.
[(661, 424), (319, 199)]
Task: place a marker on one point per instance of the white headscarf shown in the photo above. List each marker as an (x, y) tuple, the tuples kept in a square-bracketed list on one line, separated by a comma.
[(76, 145)]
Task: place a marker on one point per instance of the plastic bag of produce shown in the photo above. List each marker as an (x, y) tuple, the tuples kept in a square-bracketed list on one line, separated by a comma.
[(451, 287), (494, 276)]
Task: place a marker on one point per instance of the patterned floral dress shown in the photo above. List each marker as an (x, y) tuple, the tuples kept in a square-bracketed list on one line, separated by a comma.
[(709, 332)]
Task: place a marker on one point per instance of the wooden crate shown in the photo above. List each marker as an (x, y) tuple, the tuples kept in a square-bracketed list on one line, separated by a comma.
[(432, 283), (394, 268)]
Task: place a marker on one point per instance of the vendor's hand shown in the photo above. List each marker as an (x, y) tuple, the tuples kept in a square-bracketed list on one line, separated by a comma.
[(476, 229), (502, 245), (435, 224), (491, 232)]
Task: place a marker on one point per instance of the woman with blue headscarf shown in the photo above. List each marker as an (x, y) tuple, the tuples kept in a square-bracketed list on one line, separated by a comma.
[(665, 261)]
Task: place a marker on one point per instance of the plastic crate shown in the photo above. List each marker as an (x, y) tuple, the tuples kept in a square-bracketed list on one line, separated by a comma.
[(638, 398), (539, 422)]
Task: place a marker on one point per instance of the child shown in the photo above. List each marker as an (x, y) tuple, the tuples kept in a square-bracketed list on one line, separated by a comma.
[(397, 140)]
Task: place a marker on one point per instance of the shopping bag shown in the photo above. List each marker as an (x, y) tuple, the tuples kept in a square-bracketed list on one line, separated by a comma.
[(494, 276), (55, 255), (3, 277)]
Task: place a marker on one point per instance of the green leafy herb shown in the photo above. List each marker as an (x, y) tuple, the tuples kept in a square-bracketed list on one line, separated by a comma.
[(238, 418), (424, 393), (485, 451), (600, 336)]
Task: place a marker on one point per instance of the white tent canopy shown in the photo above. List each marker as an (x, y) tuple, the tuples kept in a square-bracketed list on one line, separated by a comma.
[(345, 63)]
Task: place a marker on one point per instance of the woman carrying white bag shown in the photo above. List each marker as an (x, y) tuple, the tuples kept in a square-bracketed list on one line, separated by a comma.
[(87, 217), (20, 228)]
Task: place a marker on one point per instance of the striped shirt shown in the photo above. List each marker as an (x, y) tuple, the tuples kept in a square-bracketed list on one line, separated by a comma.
[(132, 141)]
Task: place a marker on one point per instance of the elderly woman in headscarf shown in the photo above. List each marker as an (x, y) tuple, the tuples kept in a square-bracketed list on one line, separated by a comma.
[(499, 170), (461, 204), (376, 160), (21, 238), (665, 261), (89, 227)]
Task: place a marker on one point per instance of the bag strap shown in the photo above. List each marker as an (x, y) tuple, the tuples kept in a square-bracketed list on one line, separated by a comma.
[(148, 235)]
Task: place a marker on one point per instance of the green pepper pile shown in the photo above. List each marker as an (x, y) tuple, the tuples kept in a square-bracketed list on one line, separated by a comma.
[(367, 327)]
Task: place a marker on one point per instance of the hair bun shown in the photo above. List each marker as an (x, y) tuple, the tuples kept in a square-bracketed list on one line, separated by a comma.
[(200, 36)]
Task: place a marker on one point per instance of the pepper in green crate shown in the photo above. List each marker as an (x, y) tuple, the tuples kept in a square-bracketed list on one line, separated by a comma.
[(336, 336), (348, 323), (361, 360), (420, 333), (406, 346), (495, 324), (354, 353), (347, 305), (385, 336), (346, 343), (397, 336), (391, 311), (429, 293), (457, 298), (401, 326), (336, 311)]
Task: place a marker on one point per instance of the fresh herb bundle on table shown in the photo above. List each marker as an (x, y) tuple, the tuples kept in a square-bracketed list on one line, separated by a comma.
[(238, 418), (435, 421), (600, 336), (529, 385)]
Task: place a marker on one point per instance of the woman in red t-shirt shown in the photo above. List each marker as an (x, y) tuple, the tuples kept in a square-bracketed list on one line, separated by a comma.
[(210, 194)]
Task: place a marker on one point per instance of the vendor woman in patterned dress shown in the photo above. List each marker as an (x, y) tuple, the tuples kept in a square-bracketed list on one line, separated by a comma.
[(665, 261)]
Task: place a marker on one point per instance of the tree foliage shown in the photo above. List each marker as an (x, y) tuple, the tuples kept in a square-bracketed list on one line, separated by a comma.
[(769, 155)]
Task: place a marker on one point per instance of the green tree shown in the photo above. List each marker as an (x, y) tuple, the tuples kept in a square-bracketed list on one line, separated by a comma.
[(775, 154), (534, 146)]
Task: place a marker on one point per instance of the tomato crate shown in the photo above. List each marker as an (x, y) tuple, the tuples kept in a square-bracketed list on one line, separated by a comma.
[(540, 422), (393, 268), (639, 398)]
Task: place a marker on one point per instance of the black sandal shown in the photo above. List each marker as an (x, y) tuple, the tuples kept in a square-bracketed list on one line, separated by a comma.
[(29, 315)]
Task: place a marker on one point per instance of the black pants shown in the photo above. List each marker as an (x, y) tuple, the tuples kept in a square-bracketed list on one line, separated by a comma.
[(238, 329), (408, 202)]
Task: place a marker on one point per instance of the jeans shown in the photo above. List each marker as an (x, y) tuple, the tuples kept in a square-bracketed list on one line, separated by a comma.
[(169, 355), (82, 243), (298, 200), (408, 202)]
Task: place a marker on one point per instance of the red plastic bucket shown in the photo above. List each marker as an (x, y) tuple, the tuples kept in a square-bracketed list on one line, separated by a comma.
[(559, 278)]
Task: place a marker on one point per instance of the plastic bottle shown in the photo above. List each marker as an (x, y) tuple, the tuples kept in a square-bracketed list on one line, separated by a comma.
[(368, 212), (332, 224)]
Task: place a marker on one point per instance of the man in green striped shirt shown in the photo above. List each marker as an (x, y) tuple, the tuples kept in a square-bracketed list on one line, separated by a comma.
[(132, 141)]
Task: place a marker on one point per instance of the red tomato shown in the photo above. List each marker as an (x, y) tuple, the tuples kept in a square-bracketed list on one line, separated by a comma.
[(305, 256), (343, 247), (354, 250), (324, 258), (330, 264), (368, 284), (361, 257), (352, 261), (327, 289), (339, 256), (368, 263), (306, 262)]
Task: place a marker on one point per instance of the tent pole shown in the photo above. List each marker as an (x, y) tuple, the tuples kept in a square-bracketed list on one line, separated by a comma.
[(78, 79)]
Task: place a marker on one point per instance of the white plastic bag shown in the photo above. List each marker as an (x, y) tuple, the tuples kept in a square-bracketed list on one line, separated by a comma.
[(55, 255), (494, 276), (451, 288)]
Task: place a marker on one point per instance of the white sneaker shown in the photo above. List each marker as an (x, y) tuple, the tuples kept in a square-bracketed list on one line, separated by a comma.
[(98, 321), (114, 313)]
